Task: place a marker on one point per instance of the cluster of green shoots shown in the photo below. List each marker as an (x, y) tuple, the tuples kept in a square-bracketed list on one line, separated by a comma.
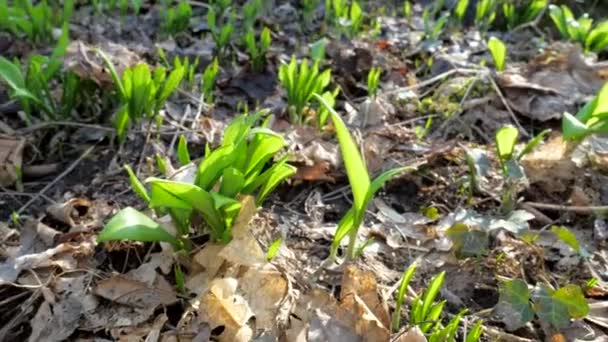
[(425, 313), (590, 119), (177, 18), (582, 30), (31, 88), (243, 165), (34, 21), (142, 92), (300, 84), (518, 15), (221, 24), (257, 50), (185, 63), (123, 5), (347, 18)]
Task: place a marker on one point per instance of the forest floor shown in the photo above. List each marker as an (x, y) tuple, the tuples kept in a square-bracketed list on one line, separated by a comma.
[(439, 104)]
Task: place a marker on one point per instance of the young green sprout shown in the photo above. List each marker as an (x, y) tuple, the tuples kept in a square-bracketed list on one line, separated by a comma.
[(257, 51), (176, 19), (221, 33), (208, 80), (362, 187), (243, 165), (506, 139), (32, 87), (485, 14), (142, 92), (590, 119), (373, 79), (300, 84), (581, 30), (499, 52), (517, 16)]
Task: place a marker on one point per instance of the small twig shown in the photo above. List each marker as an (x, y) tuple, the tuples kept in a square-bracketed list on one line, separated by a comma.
[(431, 80), (60, 177), (181, 123), (143, 149), (504, 102), (460, 105), (42, 125), (574, 209)]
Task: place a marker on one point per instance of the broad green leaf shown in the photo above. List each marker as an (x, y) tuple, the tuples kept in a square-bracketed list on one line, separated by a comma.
[(567, 237), (405, 281), (232, 182), (137, 186), (572, 128), (165, 193), (475, 333), (557, 15), (601, 105), (183, 156), (506, 137), (211, 168), (429, 319), (130, 224), (282, 172), (11, 74), (172, 82), (355, 168), (548, 309), (460, 9), (431, 293), (499, 52), (513, 307), (264, 150), (574, 299)]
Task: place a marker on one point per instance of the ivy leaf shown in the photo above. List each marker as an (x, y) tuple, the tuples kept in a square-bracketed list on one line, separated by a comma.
[(572, 297), (467, 242), (550, 310), (513, 306)]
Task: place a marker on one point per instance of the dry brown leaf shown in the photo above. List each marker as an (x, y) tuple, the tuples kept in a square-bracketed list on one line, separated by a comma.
[(554, 83), (11, 153), (222, 306), (140, 288)]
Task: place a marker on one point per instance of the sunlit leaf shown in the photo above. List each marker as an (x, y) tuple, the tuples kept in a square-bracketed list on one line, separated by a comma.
[(130, 224)]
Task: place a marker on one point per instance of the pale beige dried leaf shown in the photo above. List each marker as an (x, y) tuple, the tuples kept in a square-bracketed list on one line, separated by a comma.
[(264, 289), (222, 306)]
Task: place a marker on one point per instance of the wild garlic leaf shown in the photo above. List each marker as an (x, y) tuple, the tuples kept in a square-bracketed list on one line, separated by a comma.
[(130, 224), (506, 138)]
